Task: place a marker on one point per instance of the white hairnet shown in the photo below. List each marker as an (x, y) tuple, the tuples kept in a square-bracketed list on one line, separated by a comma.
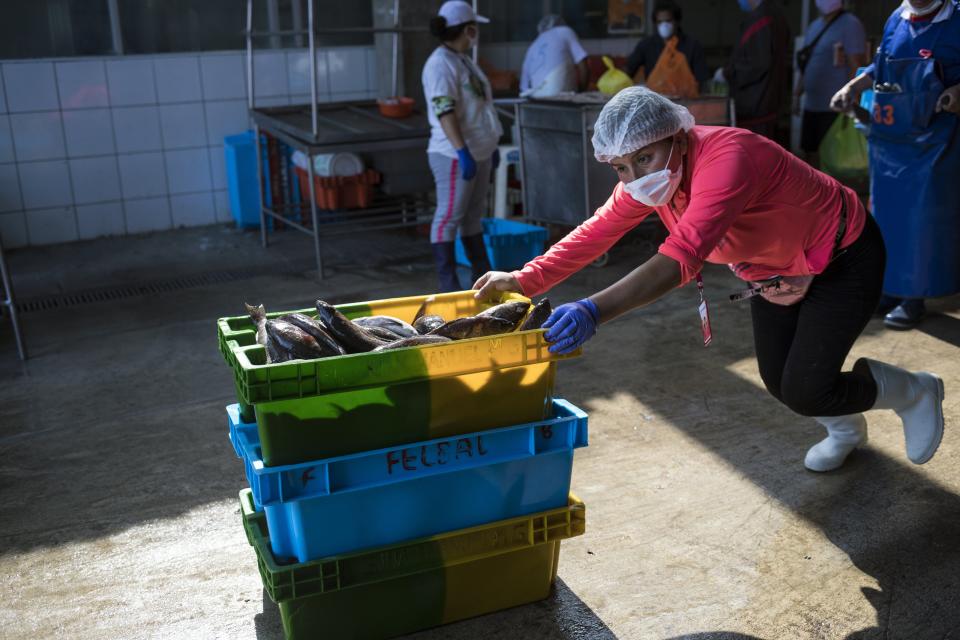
[(634, 118), (548, 22)]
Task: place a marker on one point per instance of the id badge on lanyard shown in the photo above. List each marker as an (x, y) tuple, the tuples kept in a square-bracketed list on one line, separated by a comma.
[(704, 314)]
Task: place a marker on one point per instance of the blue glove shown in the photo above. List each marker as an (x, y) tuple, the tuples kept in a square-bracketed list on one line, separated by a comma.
[(571, 324), (468, 166), (495, 160)]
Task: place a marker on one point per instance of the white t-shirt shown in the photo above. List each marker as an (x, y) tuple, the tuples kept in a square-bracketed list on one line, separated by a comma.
[(555, 48), (452, 82)]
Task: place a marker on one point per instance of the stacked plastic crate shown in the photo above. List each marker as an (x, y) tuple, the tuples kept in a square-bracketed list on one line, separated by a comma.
[(395, 491)]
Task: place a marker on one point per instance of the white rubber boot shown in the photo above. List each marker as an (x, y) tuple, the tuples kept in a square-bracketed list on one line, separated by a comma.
[(844, 434), (918, 399)]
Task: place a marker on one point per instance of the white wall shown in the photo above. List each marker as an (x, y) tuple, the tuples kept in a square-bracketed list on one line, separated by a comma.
[(119, 145)]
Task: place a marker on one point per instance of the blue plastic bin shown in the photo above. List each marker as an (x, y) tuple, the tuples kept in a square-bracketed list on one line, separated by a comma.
[(350, 503), (238, 426), (241, 158), (510, 245)]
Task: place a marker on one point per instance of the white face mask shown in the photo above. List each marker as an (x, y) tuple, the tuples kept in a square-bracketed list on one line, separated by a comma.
[(927, 10), (657, 188), (665, 29)]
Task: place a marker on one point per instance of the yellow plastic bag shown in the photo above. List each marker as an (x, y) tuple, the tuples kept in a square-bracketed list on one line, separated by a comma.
[(843, 151), (671, 76), (613, 80)]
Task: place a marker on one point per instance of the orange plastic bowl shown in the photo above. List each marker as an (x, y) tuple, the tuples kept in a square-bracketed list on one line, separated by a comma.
[(395, 107)]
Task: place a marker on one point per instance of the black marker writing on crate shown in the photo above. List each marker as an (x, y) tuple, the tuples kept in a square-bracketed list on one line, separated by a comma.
[(425, 456), (307, 476)]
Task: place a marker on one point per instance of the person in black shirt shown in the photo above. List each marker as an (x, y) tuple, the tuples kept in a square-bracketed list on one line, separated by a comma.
[(758, 72), (667, 16)]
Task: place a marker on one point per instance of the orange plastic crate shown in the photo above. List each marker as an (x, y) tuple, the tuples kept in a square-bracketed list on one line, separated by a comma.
[(340, 192)]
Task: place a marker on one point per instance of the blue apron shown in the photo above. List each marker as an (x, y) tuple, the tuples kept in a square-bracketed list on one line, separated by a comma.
[(915, 162)]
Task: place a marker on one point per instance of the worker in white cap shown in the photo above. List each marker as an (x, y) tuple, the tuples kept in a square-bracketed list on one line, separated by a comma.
[(556, 61), (464, 134)]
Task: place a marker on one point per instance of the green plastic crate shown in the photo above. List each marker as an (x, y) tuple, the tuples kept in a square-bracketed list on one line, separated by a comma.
[(399, 589), (312, 409)]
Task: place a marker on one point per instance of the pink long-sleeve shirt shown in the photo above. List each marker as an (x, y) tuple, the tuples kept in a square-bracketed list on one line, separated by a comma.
[(744, 201)]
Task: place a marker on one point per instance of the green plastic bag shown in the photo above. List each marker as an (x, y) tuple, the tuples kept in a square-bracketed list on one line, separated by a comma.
[(613, 80), (843, 151)]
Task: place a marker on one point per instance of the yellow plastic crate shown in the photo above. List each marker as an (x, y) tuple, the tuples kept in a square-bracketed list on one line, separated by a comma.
[(402, 588), (311, 409)]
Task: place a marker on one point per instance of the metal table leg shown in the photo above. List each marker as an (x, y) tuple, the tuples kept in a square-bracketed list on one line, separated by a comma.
[(261, 181), (313, 217), (10, 303), (312, 45), (256, 128)]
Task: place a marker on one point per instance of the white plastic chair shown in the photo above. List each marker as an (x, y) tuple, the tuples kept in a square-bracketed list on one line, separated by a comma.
[(509, 154)]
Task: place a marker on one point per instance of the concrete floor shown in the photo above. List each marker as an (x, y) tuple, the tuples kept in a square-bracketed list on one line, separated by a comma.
[(118, 509)]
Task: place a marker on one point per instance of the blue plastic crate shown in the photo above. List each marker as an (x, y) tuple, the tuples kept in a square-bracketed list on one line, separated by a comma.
[(349, 503), (238, 427), (510, 244), (240, 154)]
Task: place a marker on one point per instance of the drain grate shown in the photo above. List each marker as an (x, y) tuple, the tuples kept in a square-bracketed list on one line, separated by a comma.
[(123, 292)]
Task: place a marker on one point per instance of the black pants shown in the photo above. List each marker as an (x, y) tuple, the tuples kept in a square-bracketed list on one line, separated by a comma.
[(801, 348), (814, 129)]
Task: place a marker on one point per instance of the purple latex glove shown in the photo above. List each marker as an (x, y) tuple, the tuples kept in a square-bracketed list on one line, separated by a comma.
[(571, 324)]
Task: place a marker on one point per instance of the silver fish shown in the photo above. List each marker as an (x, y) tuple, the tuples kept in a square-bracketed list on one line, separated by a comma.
[(509, 311), (474, 327), (353, 338), (414, 341), (259, 316), (422, 311), (316, 330), (382, 332), (391, 324), (426, 324), (538, 315), (294, 341)]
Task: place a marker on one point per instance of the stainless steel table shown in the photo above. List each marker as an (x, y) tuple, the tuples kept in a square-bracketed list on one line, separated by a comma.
[(395, 147), (562, 182)]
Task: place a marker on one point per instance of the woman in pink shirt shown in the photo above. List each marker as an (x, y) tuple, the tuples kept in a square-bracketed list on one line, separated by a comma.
[(813, 258)]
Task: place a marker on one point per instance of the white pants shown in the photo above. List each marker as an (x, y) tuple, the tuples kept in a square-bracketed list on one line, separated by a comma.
[(460, 203)]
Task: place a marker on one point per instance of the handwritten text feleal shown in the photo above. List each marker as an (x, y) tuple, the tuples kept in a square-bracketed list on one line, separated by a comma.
[(438, 453)]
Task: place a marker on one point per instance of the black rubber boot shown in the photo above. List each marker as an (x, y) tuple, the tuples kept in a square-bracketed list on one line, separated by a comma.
[(886, 305), (907, 315), (445, 259), (476, 251)]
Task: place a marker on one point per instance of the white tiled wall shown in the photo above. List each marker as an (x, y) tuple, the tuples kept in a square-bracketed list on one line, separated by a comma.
[(111, 146)]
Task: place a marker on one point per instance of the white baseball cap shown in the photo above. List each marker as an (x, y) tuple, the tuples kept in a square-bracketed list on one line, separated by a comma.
[(458, 12)]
